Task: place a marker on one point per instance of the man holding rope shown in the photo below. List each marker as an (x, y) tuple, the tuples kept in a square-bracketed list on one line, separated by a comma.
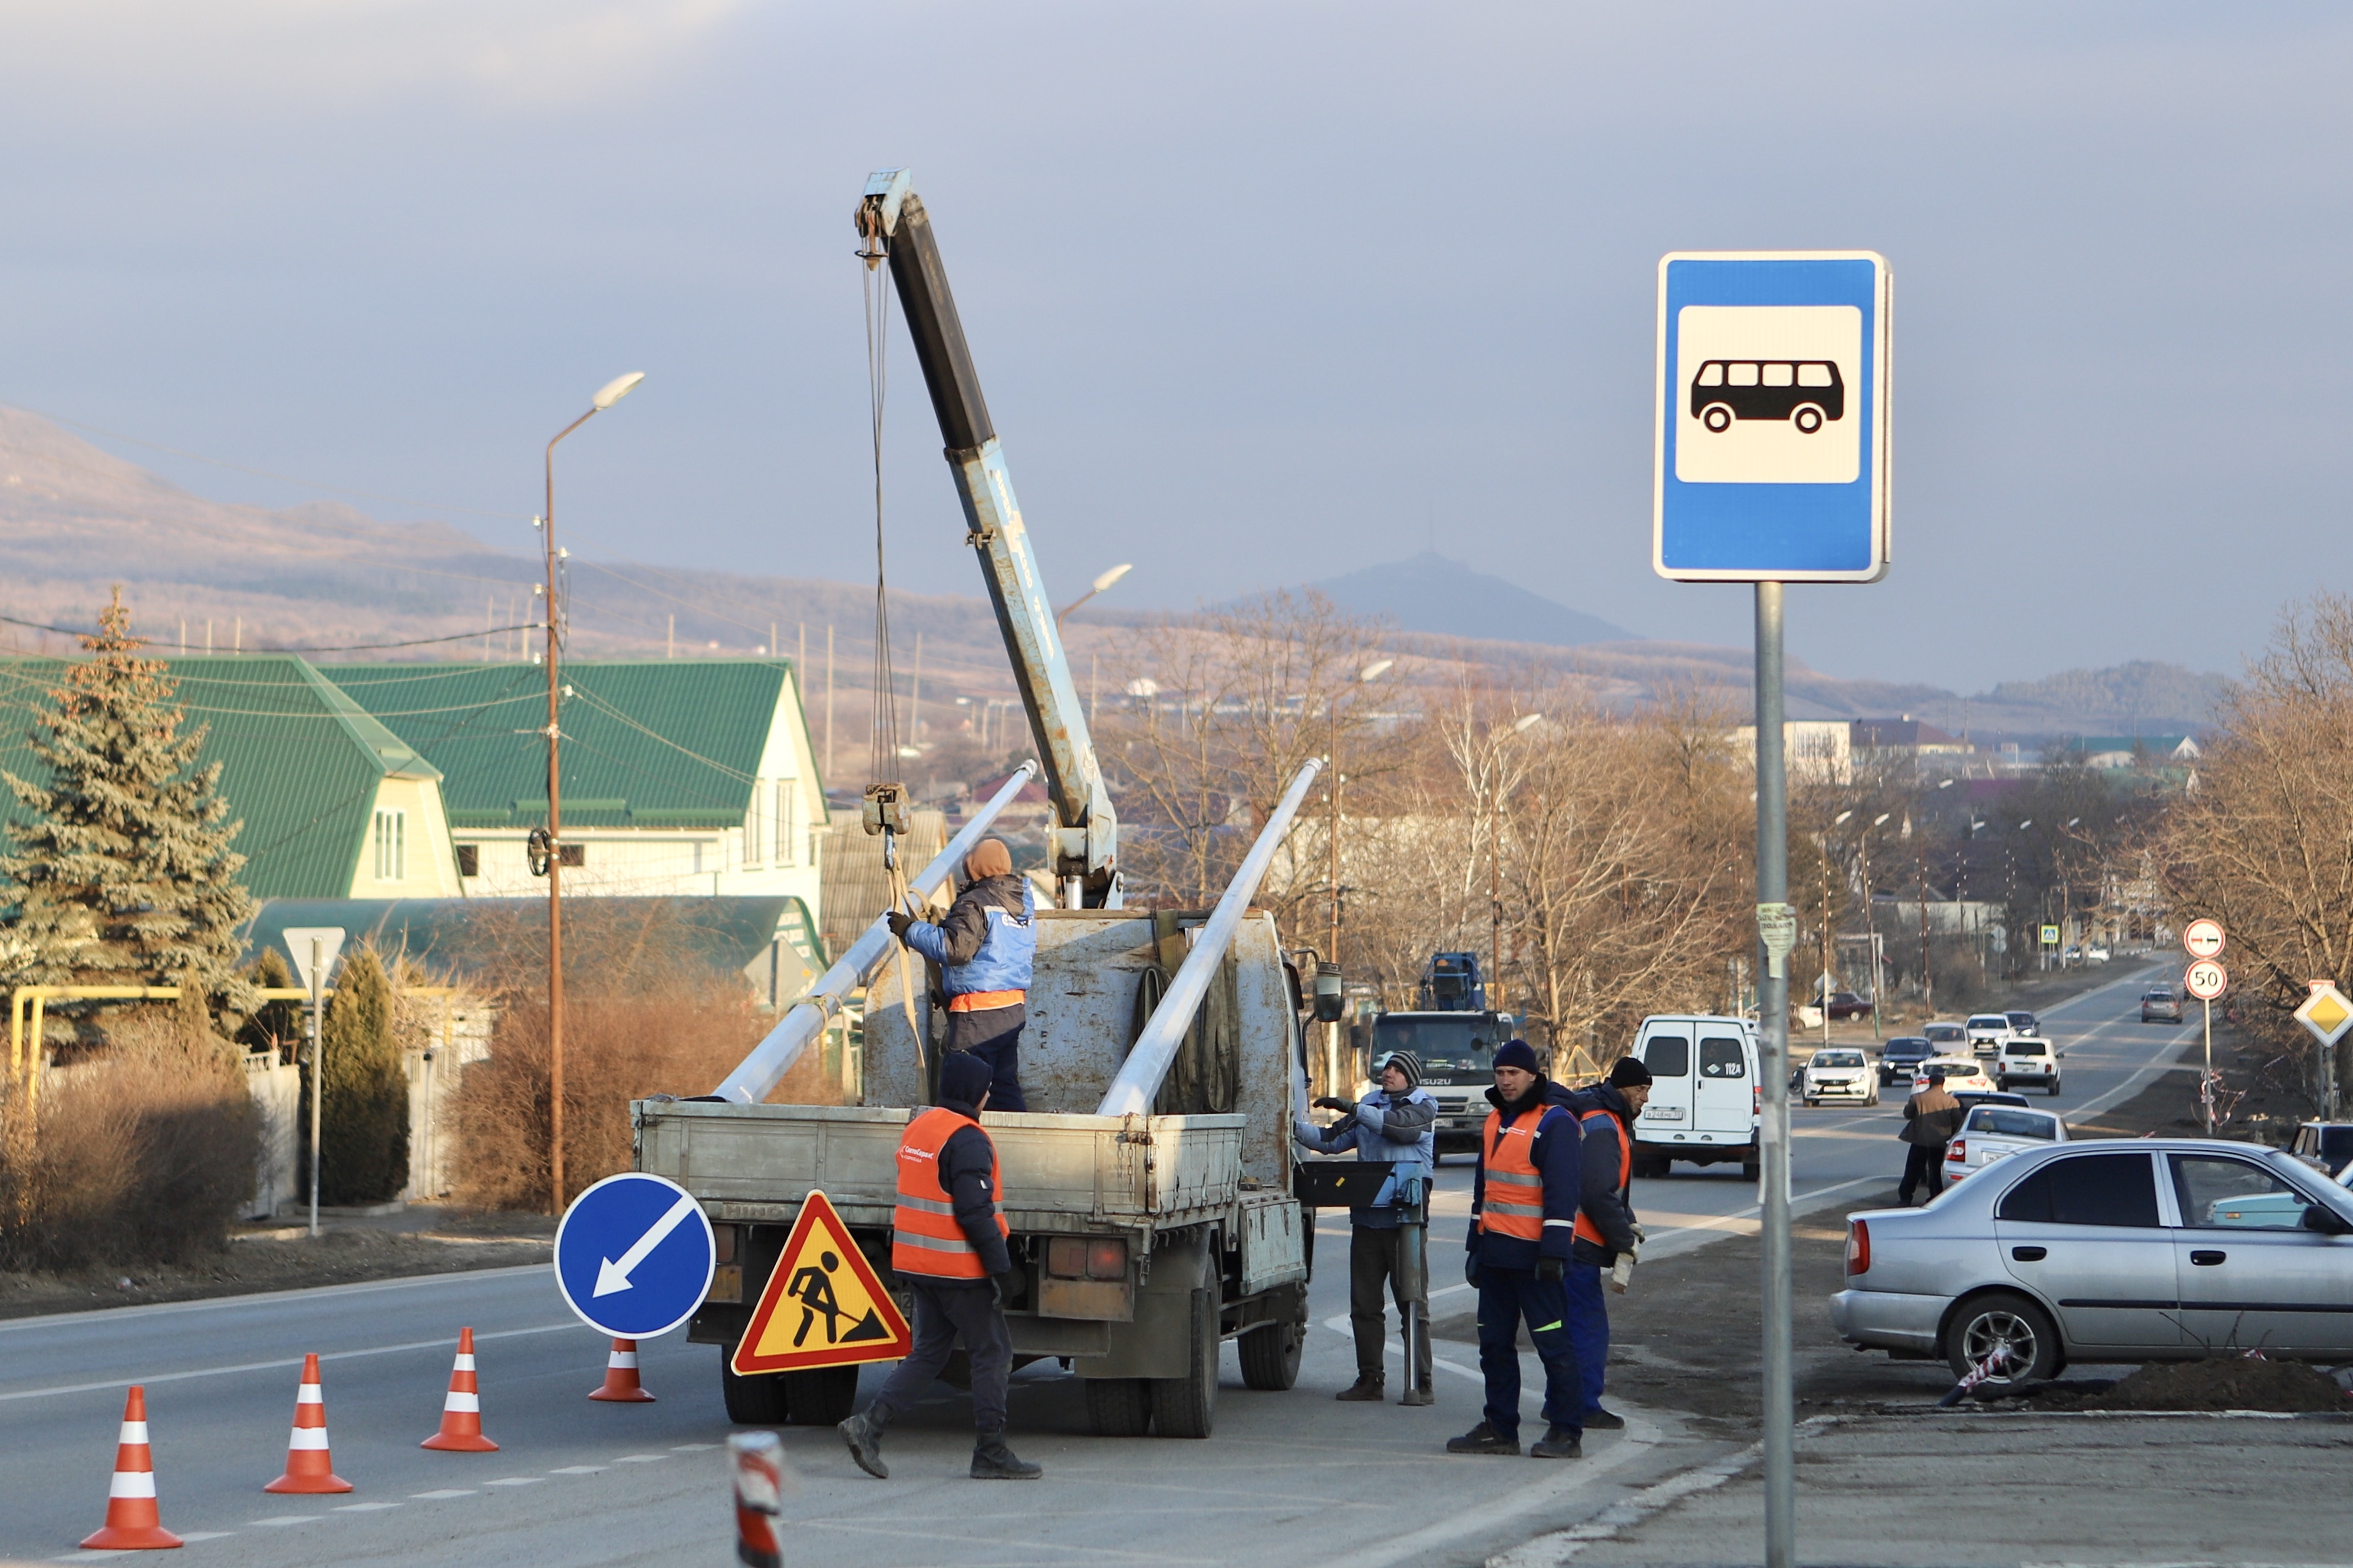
[(984, 946)]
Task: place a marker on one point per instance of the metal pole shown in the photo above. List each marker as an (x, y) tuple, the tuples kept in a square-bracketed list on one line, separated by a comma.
[(554, 856), (316, 978), (1773, 1018), (2206, 1088)]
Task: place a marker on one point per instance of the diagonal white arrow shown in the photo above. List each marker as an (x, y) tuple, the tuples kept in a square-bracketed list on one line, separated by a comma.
[(613, 1273)]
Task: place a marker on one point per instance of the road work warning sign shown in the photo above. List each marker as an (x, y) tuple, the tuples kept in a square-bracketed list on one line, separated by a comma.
[(824, 1306)]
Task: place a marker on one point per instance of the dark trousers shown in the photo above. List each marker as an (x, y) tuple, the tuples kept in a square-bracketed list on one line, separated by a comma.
[(1921, 1162), (995, 1037), (1588, 1327), (1507, 1297), (943, 1314), (1373, 1269)]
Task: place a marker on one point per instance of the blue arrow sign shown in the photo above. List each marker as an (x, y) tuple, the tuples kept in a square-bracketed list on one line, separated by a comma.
[(634, 1256)]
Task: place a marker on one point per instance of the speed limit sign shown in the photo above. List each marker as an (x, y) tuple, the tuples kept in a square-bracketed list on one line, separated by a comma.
[(2206, 980)]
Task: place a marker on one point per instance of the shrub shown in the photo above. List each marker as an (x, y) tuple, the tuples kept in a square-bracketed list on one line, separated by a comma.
[(364, 1097)]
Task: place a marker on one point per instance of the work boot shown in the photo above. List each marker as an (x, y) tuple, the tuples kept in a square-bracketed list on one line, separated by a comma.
[(1558, 1443), (993, 1461), (1364, 1390), (863, 1433), (1418, 1396), (1599, 1420), (1483, 1439)]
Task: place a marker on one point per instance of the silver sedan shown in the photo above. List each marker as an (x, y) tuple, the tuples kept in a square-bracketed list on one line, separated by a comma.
[(2152, 1249)]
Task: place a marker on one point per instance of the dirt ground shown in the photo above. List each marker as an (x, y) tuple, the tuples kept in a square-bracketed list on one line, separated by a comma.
[(2226, 1383)]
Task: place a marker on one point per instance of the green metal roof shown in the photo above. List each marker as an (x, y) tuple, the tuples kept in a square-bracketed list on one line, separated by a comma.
[(299, 761), (647, 743), (469, 937)]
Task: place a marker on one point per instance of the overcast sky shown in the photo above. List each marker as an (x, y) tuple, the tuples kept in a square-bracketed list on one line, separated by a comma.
[(1258, 292)]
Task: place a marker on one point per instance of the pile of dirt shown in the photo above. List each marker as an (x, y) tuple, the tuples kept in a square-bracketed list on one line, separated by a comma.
[(2224, 1382)]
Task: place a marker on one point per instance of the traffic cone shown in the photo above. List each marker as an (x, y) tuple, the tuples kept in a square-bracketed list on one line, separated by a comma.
[(308, 1467), (131, 1521), (462, 1413), (621, 1384)]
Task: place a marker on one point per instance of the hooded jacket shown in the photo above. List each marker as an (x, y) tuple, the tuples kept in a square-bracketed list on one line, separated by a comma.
[(1555, 1150), (987, 941), (1397, 1129), (1600, 1158)]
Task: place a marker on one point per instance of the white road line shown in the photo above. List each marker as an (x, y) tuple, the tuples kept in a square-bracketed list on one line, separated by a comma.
[(580, 1471), (277, 1519), (362, 1507), (517, 1481), (442, 1343), (246, 1302), (444, 1492), (1548, 1550)]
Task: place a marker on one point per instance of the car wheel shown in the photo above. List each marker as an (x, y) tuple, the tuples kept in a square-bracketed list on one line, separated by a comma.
[(2054, 1089), (2008, 1322), (1716, 416), (1807, 418)]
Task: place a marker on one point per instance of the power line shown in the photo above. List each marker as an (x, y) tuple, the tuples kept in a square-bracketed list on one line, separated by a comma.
[(341, 647)]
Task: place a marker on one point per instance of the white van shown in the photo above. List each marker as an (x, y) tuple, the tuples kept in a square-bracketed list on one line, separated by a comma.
[(1705, 1099)]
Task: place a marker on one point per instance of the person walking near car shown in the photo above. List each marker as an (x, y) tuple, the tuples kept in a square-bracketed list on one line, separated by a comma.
[(1524, 1201), (1396, 1125), (1606, 1231), (986, 946), (948, 1244), (1931, 1117)]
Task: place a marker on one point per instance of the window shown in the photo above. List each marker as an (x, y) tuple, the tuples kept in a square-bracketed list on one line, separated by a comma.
[(1990, 1021), (788, 840), (1836, 1059), (470, 859), (2222, 1193), (1740, 374), (1710, 375), (1779, 375), (2006, 1123), (752, 826), (1667, 1056), (2086, 1189), (1720, 1057), (1443, 1045), (572, 853), (392, 845), (1815, 375), (2023, 1048)]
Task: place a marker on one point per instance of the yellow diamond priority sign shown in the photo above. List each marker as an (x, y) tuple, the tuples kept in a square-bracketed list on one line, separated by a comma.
[(2326, 1013)]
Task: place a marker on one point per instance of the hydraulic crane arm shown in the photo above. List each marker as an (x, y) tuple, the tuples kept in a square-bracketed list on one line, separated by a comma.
[(892, 221)]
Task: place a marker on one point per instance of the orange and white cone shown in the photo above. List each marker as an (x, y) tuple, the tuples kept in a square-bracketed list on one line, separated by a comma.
[(462, 1413), (131, 1521), (621, 1384), (308, 1466)]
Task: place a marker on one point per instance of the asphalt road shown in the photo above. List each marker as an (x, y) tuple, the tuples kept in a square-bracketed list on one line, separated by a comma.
[(1289, 1477)]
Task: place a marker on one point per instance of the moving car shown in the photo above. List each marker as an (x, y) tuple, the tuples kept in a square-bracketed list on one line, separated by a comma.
[(1706, 1099), (2023, 1022), (1992, 1132), (1840, 1072), (2324, 1145), (2158, 1249), (2160, 1005), (2025, 1061), (1960, 1073), (1971, 1098), (1987, 1031), (1901, 1057), (1948, 1040), (2096, 953)]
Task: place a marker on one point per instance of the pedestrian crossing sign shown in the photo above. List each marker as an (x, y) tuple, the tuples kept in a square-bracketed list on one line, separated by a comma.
[(824, 1304)]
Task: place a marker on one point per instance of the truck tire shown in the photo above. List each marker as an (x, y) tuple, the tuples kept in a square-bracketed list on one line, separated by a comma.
[(1751, 1170), (753, 1401), (1270, 1355), (1187, 1406), (1119, 1407), (823, 1396)]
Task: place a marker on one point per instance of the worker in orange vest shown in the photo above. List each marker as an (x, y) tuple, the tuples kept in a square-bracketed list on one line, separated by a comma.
[(948, 1244), (1606, 1236)]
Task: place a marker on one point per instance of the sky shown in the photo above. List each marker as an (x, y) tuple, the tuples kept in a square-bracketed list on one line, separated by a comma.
[(1258, 292)]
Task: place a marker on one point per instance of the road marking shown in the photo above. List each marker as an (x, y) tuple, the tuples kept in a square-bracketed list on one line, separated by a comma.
[(516, 1481), (692, 1447), (361, 1508), (444, 1492), (640, 1458), (440, 1344), (277, 1519), (247, 1301), (580, 1471), (1547, 1550)]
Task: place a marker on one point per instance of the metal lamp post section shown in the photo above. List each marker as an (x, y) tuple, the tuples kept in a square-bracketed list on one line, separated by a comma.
[(1366, 676), (609, 393), (314, 949)]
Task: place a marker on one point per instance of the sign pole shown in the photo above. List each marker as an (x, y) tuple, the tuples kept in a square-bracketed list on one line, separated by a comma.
[(1773, 1020), (2208, 1096), (318, 977)]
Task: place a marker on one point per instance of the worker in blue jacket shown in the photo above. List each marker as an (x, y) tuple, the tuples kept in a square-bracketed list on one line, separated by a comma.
[(1606, 1233), (1523, 1205), (986, 946)]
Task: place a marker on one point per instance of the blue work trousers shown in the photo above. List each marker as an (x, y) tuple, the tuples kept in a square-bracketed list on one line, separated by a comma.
[(994, 1034), (1506, 1296), (1588, 1327)]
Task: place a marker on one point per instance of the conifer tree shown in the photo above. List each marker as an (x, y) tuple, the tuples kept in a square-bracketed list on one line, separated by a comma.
[(364, 1103), (124, 875)]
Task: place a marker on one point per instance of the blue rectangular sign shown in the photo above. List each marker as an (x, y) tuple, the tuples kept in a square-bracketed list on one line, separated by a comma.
[(1772, 453)]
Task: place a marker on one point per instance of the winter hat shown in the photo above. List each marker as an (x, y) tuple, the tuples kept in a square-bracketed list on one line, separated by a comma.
[(1628, 1072), (1517, 1054), (1405, 1062), (989, 858), (964, 1078)]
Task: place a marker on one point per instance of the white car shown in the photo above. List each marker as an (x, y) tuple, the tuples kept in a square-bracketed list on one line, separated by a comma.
[(1946, 1039), (1987, 1031), (2025, 1061), (1995, 1131), (1960, 1073), (1837, 1072)]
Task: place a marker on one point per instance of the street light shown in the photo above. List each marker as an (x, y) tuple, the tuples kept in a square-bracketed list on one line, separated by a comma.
[(1097, 587), (606, 395)]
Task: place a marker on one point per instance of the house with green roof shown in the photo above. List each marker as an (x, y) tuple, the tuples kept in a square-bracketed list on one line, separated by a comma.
[(334, 804), (682, 778)]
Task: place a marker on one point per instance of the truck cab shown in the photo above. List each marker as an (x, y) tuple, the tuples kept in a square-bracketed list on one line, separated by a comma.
[(1705, 1104), (1457, 1051)]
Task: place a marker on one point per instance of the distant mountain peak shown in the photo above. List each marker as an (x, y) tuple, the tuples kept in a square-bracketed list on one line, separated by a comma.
[(1436, 595)]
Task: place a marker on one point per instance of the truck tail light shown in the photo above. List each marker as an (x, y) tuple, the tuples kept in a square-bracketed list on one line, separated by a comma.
[(1858, 1247), (1957, 1151), (1107, 1258), (1755, 1100), (1086, 1258), (722, 1240)]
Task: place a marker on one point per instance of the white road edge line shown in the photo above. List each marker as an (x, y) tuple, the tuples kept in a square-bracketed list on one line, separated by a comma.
[(218, 1303), (443, 1343)]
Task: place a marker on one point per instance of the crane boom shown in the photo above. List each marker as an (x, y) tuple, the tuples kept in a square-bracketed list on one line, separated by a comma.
[(891, 218)]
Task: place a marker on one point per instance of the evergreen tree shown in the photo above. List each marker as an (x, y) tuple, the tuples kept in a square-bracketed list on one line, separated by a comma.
[(364, 1103), (124, 876)]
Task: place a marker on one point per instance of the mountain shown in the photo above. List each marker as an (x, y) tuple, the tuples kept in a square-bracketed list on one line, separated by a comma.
[(1431, 594)]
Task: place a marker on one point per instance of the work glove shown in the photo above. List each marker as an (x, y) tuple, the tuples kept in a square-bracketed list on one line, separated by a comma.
[(997, 1291), (900, 921), (1640, 1236), (1334, 1102), (1621, 1273), (1471, 1267), (1548, 1268)]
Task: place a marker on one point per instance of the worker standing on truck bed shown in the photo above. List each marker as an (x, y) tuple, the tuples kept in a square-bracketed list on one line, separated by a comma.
[(1522, 1209), (984, 946), (948, 1243), (1605, 1236), (1396, 1125)]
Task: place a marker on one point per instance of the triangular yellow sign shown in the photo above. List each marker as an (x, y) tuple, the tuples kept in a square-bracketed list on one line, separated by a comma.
[(824, 1305)]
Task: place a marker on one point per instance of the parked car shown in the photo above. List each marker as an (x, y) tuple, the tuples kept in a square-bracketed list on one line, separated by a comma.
[(2096, 953), (2324, 1145), (2160, 1249), (1840, 1072), (1993, 1133), (1987, 1031), (2026, 1061), (2160, 1005), (1848, 1004), (1948, 1040), (2023, 1022), (1973, 1098), (1901, 1057), (1705, 1104), (1960, 1073)]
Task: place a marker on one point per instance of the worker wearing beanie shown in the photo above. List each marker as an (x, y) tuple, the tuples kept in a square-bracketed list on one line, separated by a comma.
[(1605, 1229), (984, 946), (1397, 1125), (1522, 1206), (948, 1243)]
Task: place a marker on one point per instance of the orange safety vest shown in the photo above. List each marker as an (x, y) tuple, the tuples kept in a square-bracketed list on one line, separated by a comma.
[(925, 1237), (1585, 1229), (1513, 1201)]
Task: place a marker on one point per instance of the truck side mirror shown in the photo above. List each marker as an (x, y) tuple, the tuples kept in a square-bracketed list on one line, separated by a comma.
[(1330, 1006)]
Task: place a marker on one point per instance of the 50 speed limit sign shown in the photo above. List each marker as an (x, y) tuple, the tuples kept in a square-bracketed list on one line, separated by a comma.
[(2206, 980)]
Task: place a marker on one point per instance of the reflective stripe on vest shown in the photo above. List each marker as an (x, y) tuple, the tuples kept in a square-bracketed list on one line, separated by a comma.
[(1585, 1230), (1513, 1205), (925, 1236)]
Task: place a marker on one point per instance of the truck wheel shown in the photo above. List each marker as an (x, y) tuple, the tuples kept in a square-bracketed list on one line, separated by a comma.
[(1751, 1170), (823, 1396), (1118, 1406), (1270, 1355), (753, 1401), (1187, 1406)]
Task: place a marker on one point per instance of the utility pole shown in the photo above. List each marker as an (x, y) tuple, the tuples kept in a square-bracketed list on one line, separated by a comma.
[(828, 702), (1776, 927)]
